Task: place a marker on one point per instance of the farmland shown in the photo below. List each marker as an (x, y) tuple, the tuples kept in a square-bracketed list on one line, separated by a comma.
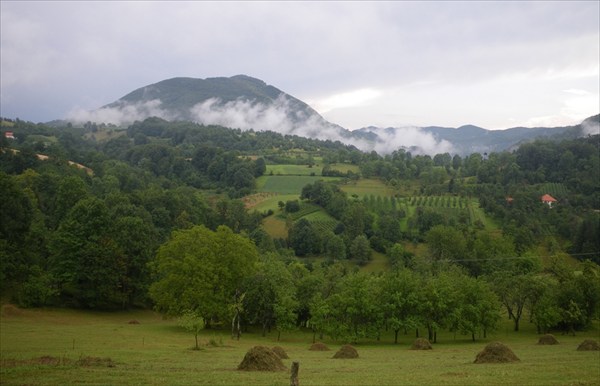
[(58, 347)]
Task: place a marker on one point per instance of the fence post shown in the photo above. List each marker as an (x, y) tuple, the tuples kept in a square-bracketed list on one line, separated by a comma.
[(294, 377)]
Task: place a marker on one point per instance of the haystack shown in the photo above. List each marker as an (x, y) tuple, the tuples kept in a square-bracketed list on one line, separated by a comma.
[(134, 321), (547, 339), (260, 358), (319, 347), (589, 345), (496, 352), (421, 344), (280, 352), (346, 352)]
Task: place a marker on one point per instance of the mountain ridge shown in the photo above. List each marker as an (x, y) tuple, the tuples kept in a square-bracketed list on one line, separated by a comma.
[(244, 102)]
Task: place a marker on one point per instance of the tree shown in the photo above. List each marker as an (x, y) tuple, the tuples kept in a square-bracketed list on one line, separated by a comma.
[(304, 239), (513, 291), (270, 297), (85, 258), (200, 270), (193, 322), (400, 301), (360, 250)]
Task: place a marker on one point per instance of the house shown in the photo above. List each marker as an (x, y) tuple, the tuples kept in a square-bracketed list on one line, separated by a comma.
[(9, 135), (549, 200)]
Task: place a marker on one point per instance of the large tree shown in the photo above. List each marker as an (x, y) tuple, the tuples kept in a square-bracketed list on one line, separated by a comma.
[(201, 270)]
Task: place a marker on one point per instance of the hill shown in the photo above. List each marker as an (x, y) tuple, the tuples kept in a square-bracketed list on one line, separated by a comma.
[(237, 102), (248, 103)]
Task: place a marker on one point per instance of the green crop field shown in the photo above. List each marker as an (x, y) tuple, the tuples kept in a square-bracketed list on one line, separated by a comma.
[(288, 184), (64, 347)]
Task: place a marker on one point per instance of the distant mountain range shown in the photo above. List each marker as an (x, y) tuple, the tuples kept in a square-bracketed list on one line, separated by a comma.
[(248, 103)]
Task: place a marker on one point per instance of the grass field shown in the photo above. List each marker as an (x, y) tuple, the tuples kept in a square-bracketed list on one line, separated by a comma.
[(288, 184), (293, 170), (364, 187), (158, 352)]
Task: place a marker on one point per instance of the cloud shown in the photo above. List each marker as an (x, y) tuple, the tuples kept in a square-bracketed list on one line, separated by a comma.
[(121, 115), (412, 138)]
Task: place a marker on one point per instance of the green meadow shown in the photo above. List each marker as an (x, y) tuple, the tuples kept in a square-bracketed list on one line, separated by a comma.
[(288, 184), (364, 187), (61, 347)]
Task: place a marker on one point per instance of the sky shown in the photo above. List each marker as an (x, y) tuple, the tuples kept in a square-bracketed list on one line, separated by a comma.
[(375, 63)]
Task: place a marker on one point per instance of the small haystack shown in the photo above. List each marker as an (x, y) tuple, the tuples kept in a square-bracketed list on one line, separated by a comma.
[(260, 358), (421, 344), (547, 339), (133, 321), (496, 352), (346, 352), (280, 352), (589, 345), (319, 347)]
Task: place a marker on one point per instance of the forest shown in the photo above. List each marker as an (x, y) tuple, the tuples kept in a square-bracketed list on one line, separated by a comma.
[(250, 228)]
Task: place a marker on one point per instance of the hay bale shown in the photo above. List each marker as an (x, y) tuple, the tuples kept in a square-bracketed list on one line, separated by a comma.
[(421, 344), (496, 352), (319, 347), (589, 345), (133, 321), (260, 358), (346, 352), (280, 352), (547, 339), (9, 310)]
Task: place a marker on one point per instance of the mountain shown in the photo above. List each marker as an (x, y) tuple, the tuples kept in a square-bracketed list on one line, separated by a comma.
[(238, 102), (469, 139), (248, 103)]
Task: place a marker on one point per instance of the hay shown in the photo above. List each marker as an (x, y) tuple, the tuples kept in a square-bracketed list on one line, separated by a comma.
[(496, 352), (319, 347), (260, 358), (9, 310), (133, 321), (547, 339), (280, 352), (589, 345), (346, 352), (421, 344), (95, 361)]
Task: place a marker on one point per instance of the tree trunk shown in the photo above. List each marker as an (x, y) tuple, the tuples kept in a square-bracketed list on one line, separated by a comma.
[(473, 336), (396, 336), (278, 334), (417, 332), (435, 337)]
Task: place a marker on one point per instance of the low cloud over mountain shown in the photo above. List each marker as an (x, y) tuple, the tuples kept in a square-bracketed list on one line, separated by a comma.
[(248, 103)]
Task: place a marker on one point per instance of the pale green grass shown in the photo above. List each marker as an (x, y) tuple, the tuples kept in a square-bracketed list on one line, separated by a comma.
[(275, 227), (156, 351), (293, 170), (379, 263), (345, 168), (364, 187), (272, 202), (288, 184)]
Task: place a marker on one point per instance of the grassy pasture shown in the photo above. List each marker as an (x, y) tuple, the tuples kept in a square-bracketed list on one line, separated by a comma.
[(293, 170), (157, 351), (364, 187), (345, 168), (288, 184)]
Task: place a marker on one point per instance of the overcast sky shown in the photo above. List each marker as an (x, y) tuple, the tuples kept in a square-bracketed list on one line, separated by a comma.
[(491, 64)]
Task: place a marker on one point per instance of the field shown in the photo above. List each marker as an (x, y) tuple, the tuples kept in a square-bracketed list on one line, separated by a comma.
[(365, 187), (288, 184), (60, 347), (292, 170)]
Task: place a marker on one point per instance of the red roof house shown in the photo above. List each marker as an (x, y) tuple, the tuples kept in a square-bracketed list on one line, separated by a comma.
[(548, 199)]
